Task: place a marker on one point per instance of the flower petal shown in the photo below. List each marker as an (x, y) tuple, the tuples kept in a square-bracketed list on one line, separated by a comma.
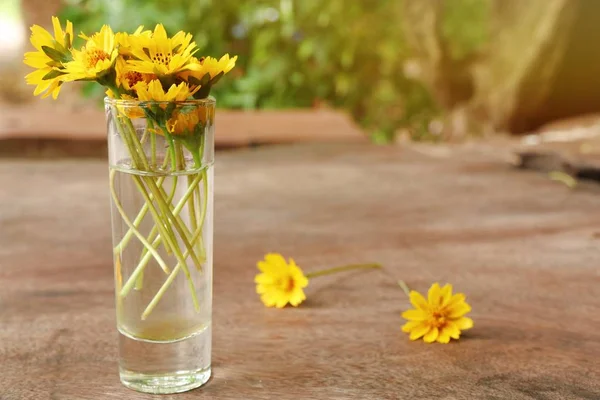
[(297, 297), (452, 329), (456, 299), (281, 302), (417, 332), (464, 323), (432, 335), (446, 294), (414, 315), (267, 300), (410, 325), (275, 259), (265, 267), (458, 310), (434, 294), (443, 337), (417, 300), (263, 278)]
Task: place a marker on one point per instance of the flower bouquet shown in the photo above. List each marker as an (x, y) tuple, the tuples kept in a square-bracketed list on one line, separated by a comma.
[(161, 151)]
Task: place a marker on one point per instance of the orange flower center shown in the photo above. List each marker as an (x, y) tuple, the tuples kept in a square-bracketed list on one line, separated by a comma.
[(287, 284), (132, 77), (290, 284), (438, 319), (93, 56), (161, 58)]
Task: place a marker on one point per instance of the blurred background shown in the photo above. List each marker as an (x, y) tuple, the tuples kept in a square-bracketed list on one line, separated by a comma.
[(378, 70)]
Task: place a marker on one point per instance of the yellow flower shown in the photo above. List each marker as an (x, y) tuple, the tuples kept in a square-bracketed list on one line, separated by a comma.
[(124, 39), (128, 78), (280, 282), (440, 317), (214, 67), (185, 123), (130, 110), (95, 59), (209, 65), (51, 53), (153, 91), (160, 55)]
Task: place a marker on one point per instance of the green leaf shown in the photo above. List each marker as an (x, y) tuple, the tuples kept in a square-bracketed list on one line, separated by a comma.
[(60, 48), (55, 54), (68, 39), (52, 74), (169, 110), (194, 81), (205, 79), (203, 92), (216, 78)]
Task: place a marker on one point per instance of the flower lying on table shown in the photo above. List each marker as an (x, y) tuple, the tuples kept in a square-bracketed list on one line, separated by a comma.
[(440, 317), (281, 283)]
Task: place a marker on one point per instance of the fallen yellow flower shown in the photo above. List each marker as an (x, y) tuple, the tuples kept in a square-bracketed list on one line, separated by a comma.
[(439, 318), (281, 283)]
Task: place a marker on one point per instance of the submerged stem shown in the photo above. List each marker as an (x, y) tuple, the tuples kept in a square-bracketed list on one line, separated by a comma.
[(128, 223), (142, 264), (168, 283), (140, 217)]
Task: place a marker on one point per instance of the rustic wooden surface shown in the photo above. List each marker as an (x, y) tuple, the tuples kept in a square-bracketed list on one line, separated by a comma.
[(524, 249)]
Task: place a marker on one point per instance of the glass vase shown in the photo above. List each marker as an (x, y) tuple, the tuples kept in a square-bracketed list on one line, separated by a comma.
[(161, 188)]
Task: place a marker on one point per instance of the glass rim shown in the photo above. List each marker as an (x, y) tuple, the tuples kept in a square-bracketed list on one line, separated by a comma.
[(141, 103)]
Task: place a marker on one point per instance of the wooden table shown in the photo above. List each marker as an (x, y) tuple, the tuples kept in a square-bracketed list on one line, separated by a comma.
[(524, 249)]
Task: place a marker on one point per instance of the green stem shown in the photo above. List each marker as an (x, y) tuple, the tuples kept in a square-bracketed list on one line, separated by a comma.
[(341, 269), (142, 264), (139, 218), (158, 296), (153, 231), (170, 197), (137, 145), (404, 287), (139, 282), (170, 239), (204, 203), (127, 221), (175, 221), (203, 200), (153, 148), (139, 161)]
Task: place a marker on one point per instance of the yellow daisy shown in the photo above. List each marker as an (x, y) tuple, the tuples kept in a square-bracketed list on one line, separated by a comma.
[(440, 317), (154, 91), (49, 57), (95, 59), (130, 110), (124, 39), (280, 282), (160, 55), (185, 123), (128, 78), (214, 67), (210, 66)]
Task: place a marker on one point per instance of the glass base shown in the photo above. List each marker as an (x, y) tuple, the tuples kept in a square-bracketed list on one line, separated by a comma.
[(178, 382)]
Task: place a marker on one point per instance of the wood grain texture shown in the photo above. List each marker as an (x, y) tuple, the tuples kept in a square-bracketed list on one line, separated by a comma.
[(523, 248)]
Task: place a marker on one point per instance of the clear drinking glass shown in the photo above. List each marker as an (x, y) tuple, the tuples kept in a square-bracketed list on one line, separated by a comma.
[(161, 183)]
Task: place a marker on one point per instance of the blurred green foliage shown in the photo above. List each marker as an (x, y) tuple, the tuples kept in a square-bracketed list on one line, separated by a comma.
[(465, 25), (303, 53)]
